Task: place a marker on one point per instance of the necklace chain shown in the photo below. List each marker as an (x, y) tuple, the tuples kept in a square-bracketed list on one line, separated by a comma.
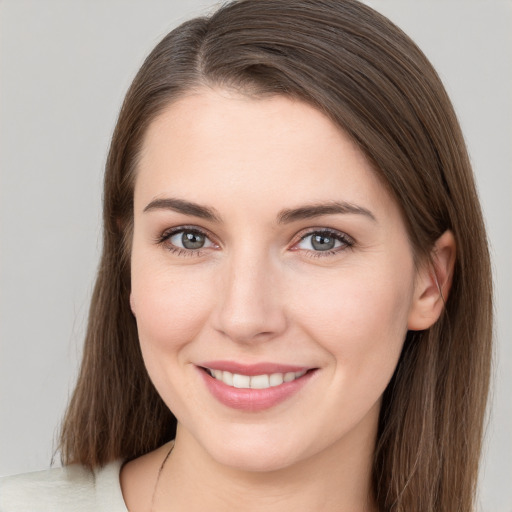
[(158, 477)]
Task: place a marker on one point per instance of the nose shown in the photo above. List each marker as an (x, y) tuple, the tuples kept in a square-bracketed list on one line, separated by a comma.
[(250, 307)]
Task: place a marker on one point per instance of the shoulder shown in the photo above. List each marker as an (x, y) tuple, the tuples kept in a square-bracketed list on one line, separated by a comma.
[(71, 488)]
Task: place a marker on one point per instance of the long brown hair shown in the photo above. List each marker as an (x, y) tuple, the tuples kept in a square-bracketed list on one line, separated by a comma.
[(369, 78)]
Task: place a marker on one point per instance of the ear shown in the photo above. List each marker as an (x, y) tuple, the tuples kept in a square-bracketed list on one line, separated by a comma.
[(433, 283), (132, 304)]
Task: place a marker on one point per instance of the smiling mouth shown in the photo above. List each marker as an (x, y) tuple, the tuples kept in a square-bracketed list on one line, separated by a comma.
[(264, 381), (254, 387)]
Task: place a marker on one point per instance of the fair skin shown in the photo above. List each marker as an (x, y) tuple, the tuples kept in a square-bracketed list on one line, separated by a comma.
[(256, 275)]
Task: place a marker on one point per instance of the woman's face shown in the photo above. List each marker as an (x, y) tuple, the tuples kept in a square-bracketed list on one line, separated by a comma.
[(265, 246)]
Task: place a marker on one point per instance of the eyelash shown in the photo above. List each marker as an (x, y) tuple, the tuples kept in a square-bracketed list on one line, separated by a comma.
[(346, 241), (164, 238)]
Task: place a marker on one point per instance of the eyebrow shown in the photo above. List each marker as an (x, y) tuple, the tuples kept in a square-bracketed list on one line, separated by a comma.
[(284, 217), (185, 207), (319, 209)]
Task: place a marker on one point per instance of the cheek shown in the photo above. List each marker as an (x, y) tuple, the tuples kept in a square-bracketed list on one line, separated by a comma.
[(170, 312), (171, 307), (361, 323), (360, 318)]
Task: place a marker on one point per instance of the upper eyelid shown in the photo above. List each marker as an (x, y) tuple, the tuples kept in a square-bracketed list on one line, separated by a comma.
[(335, 232), (301, 233), (167, 233)]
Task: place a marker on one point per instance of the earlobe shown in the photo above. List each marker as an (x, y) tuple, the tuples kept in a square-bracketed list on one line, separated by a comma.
[(433, 283)]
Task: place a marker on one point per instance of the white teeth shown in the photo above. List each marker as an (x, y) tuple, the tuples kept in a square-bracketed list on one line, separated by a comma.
[(241, 381), (256, 381), (276, 379), (227, 378), (289, 376), (260, 382)]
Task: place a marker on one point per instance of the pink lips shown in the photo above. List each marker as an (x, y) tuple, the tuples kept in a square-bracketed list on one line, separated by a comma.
[(253, 400)]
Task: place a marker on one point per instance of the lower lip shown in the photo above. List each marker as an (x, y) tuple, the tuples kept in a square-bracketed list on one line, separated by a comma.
[(253, 400)]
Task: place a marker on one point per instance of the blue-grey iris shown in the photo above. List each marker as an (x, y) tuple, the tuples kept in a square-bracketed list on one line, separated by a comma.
[(192, 240), (322, 242)]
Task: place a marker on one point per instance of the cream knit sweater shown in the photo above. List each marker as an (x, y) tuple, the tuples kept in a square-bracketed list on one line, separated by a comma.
[(69, 489)]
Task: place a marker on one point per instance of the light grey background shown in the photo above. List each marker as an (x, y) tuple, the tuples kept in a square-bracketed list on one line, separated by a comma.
[(64, 67)]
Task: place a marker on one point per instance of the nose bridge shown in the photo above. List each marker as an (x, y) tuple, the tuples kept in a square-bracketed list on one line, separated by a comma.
[(250, 306)]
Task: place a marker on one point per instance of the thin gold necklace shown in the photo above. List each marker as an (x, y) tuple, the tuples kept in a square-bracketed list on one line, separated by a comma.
[(158, 477)]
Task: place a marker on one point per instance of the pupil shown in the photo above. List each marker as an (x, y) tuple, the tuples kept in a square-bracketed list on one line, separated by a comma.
[(192, 240), (322, 243)]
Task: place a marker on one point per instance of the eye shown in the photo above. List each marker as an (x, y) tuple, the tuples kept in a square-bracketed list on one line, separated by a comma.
[(327, 241), (190, 240), (186, 240)]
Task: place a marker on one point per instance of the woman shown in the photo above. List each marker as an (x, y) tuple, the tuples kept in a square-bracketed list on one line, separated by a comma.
[(295, 265)]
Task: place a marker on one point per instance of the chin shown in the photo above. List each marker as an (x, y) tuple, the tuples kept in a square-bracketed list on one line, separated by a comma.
[(255, 461), (251, 449)]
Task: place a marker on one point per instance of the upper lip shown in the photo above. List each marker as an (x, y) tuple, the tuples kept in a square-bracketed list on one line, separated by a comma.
[(262, 368)]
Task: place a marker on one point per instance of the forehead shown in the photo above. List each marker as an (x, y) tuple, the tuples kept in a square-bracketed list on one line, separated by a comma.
[(216, 145)]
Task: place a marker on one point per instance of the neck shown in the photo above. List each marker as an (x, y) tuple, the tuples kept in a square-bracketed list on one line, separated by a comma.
[(335, 479)]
